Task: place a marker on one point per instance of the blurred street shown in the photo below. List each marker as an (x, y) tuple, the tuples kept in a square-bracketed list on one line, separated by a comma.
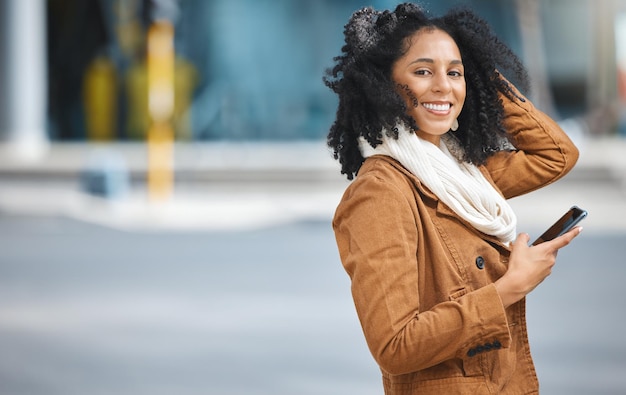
[(234, 286), (228, 282)]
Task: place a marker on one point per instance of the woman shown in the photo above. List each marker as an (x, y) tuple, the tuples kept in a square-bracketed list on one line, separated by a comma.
[(438, 139)]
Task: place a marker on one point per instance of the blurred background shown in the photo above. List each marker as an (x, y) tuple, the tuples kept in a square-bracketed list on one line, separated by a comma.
[(166, 196)]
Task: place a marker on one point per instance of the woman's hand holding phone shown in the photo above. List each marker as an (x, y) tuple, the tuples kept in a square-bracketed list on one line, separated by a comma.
[(530, 265)]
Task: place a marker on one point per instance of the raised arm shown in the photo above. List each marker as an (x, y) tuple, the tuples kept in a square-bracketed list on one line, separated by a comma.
[(544, 153)]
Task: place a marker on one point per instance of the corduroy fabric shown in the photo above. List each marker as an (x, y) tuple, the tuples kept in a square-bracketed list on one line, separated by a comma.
[(422, 277)]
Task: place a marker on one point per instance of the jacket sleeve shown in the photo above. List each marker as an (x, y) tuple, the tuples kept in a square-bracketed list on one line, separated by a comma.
[(544, 153), (377, 236)]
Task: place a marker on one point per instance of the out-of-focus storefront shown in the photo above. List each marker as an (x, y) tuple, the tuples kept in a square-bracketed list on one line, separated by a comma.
[(620, 45), (252, 70)]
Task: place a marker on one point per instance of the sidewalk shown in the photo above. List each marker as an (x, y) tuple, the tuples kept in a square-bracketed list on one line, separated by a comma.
[(235, 186)]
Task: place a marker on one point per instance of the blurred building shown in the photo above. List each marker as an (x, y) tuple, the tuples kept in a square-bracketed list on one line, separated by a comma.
[(251, 69)]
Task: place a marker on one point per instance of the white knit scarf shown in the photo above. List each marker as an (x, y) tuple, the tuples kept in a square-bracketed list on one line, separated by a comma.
[(460, 185)]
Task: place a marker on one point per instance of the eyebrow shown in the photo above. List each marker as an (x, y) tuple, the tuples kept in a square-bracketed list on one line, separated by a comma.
[(429, 60)]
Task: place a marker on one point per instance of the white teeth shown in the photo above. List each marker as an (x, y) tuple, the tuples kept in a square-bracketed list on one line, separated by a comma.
[(437, 107)]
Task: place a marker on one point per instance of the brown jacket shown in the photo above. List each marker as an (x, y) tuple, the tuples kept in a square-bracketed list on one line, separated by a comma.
[(422, 278)]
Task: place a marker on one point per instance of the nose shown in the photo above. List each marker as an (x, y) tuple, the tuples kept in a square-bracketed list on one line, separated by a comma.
[(441, 83)]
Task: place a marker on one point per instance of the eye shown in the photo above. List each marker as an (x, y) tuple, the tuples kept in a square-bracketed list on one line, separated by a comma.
[(422, 72), (455, 73)]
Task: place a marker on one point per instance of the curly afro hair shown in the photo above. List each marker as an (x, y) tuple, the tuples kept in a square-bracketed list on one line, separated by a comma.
[(369, 100)]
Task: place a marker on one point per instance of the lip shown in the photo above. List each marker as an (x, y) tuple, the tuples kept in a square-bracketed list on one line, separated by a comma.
[(438, 107)]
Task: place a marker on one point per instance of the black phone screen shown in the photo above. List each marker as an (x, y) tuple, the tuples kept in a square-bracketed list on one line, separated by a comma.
[(563, 225)]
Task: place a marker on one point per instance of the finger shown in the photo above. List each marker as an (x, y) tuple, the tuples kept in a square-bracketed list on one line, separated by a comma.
[(565, 239), (522, 238)]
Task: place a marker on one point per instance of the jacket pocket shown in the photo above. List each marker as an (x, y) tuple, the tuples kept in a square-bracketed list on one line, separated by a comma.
[(447, 386), (457, 294)]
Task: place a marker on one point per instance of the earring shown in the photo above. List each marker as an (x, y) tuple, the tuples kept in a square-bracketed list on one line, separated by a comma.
[(455, 125)]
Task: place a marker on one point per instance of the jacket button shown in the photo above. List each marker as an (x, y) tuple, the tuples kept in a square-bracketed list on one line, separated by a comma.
[(480, 262)]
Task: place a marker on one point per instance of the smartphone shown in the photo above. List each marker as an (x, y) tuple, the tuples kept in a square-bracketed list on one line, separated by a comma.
[(570, 219)]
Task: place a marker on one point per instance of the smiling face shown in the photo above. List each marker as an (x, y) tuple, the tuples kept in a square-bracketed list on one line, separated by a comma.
[(430, 77)]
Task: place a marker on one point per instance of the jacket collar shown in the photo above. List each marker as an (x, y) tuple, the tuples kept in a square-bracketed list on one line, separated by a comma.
[(423, 190), (441, 208)]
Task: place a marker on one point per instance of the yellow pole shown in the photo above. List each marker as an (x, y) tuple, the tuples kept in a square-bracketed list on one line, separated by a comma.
[(160, 64), (100, 98)]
